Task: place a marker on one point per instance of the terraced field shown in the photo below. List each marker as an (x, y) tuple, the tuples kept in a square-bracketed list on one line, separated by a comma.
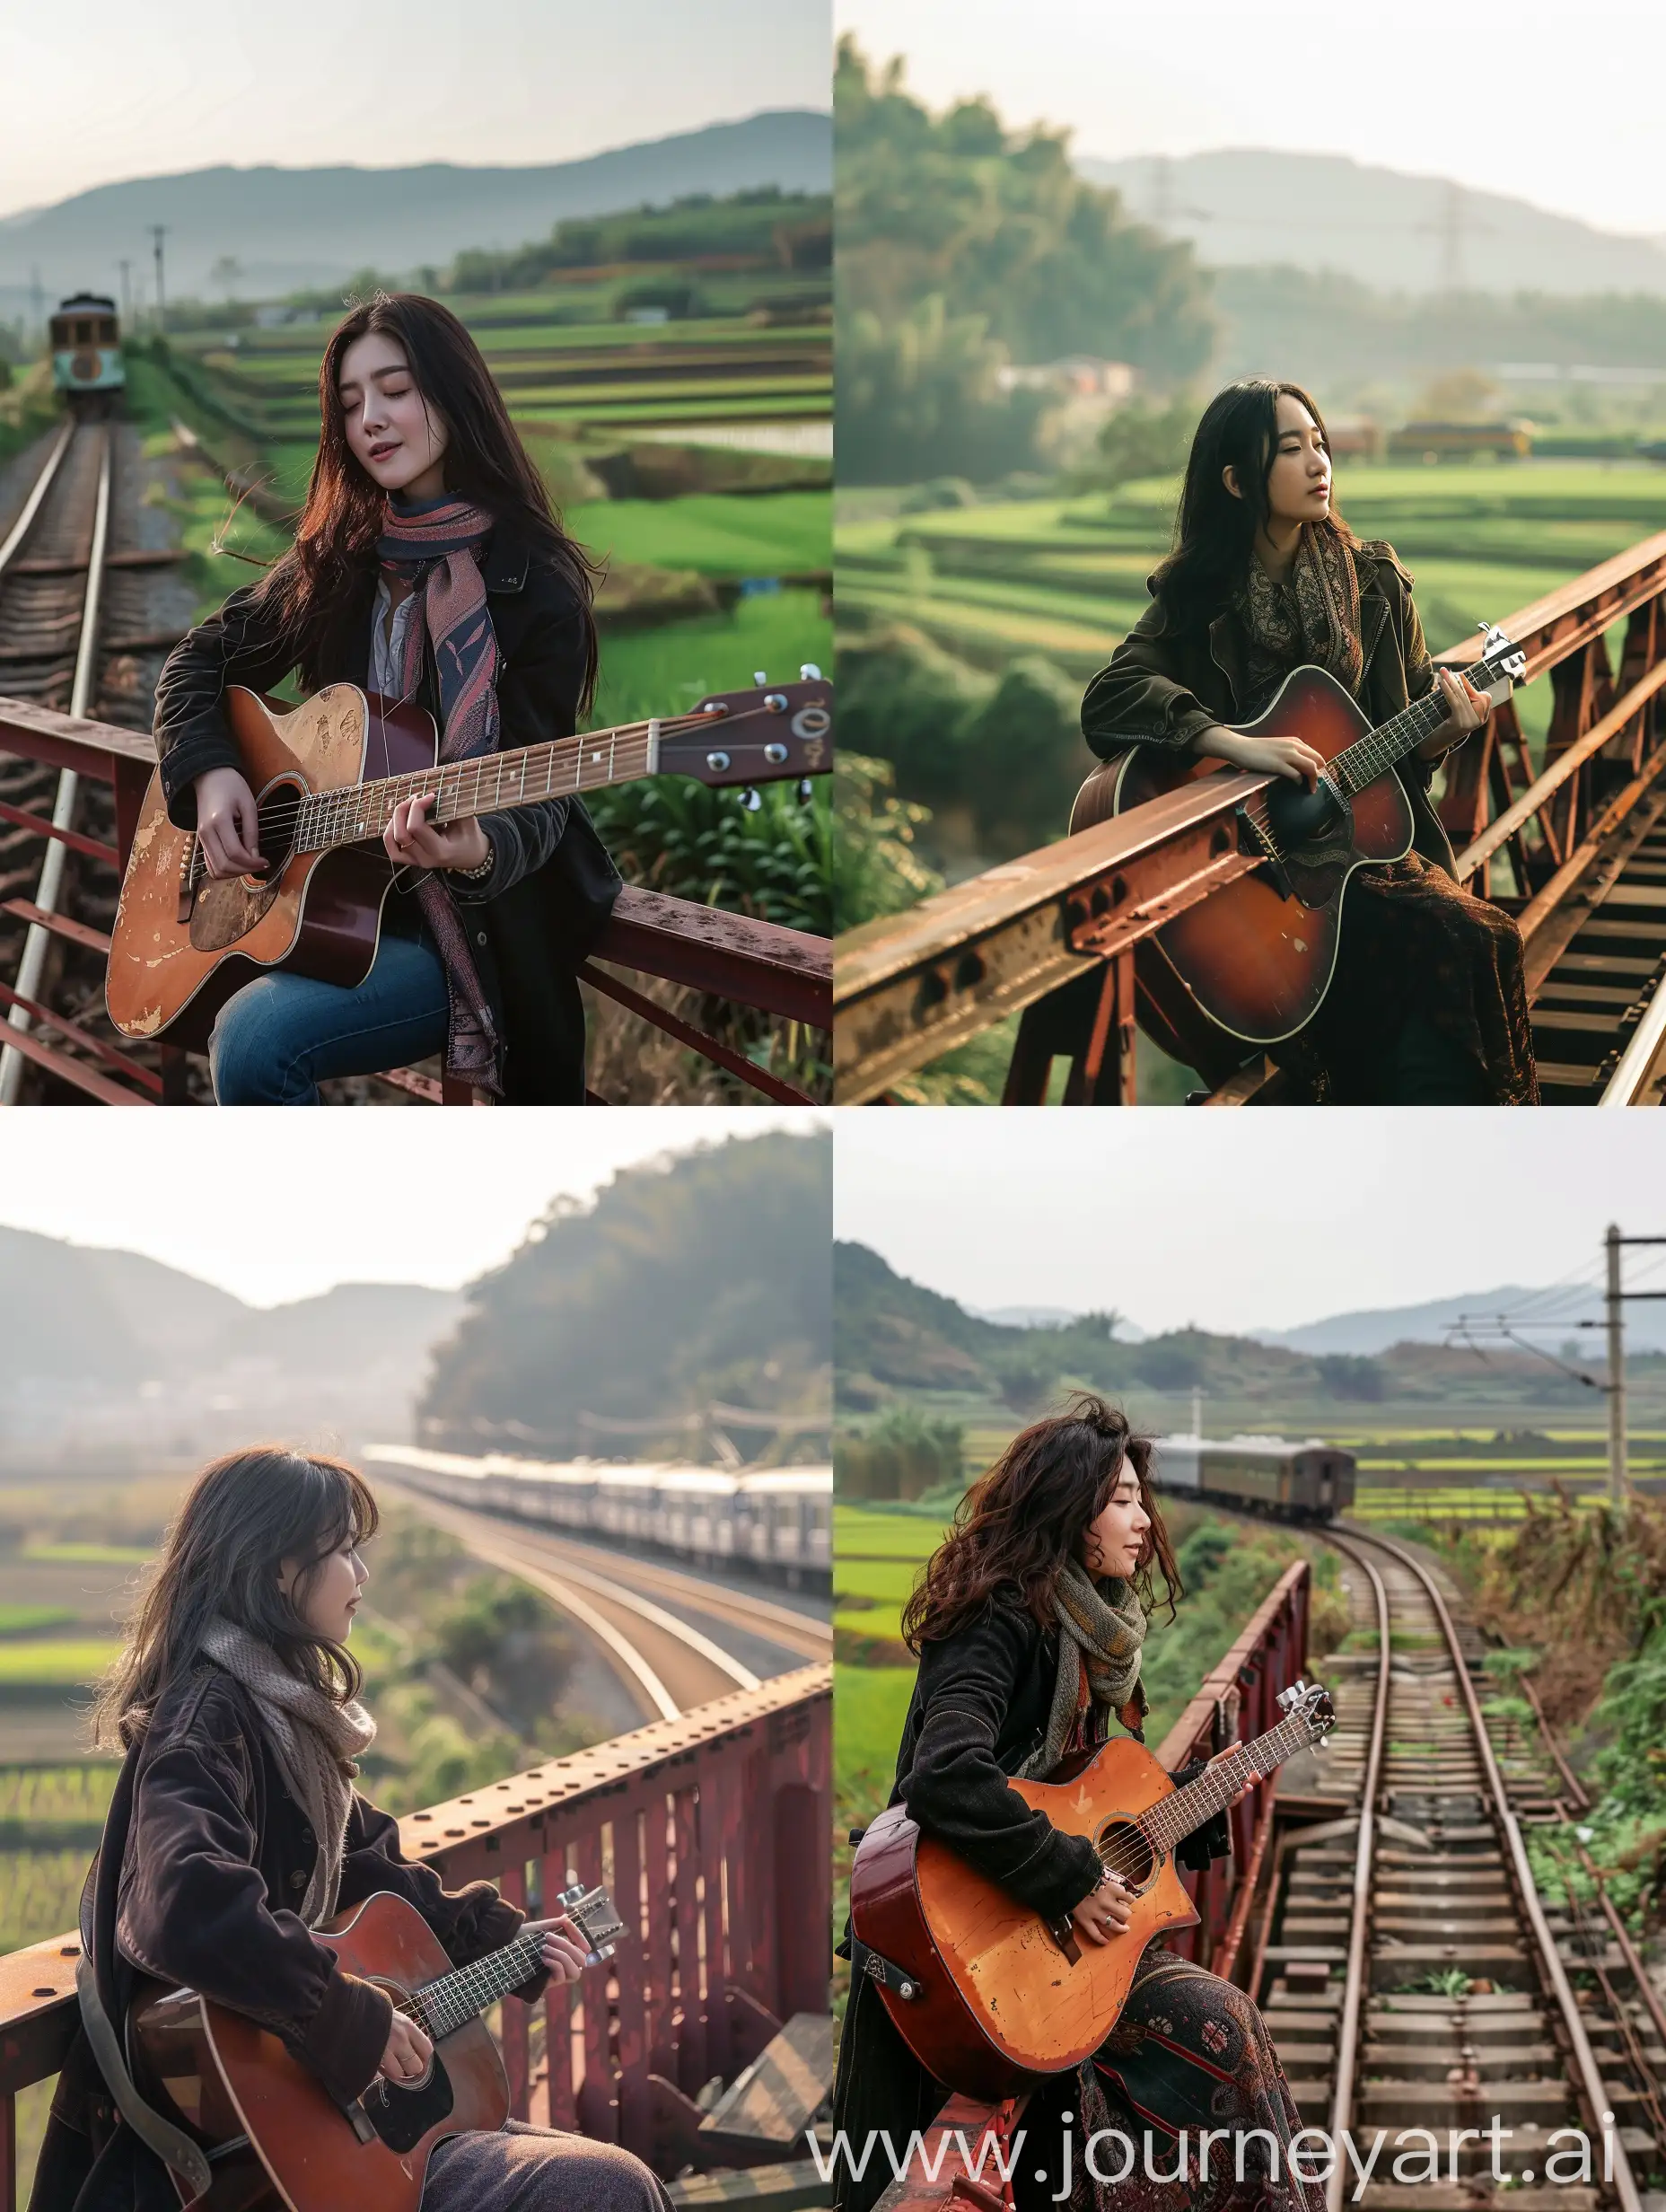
[(1065, 577)]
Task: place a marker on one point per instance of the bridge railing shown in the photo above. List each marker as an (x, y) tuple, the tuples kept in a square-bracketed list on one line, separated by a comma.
[(1051, 936), (1235, 1701), (728, 958), (710, 1833)]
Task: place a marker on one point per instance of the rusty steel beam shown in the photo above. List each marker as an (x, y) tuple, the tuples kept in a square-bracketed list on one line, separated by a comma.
[(91, 748), (1552, 628), (781, 971), (911, 985)]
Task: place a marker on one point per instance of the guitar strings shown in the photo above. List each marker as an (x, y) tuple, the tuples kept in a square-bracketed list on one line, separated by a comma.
[(1131, 1862)]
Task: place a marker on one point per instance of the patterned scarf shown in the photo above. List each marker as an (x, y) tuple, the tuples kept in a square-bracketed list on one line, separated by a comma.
[(1311, 620), (316, 1742), (1101, 1627), (436, 544)]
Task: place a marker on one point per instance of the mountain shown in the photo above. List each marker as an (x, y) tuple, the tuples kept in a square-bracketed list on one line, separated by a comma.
[(697, 1278), (1393, 231), (114, 1353), (288, 228), (1372, 1329)]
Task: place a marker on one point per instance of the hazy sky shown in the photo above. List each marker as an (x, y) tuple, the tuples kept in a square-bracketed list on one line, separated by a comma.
[(1262, 1219), (1514, 96), (105, 90), (386, 1197)]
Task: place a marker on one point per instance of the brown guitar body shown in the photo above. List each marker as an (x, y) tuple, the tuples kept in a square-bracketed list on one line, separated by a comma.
[(318, 913), (1001, 1998), (1252, 959), (224, 2076)]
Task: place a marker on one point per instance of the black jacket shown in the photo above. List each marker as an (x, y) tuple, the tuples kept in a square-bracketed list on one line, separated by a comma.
[(980, 1707), (1162, 688), (545, 903), (205, 1860)]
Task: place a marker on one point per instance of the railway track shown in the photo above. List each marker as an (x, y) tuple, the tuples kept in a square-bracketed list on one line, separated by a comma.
[(635, 1612), (1409, 1972), (76, 635)]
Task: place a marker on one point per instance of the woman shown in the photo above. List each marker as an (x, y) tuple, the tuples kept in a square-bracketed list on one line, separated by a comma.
[(1428, 1006), (428, 566), (1027, 1623), (234, 1831)]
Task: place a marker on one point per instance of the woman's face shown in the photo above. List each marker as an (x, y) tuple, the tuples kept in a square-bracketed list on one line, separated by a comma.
[(1115, 1537), (1298, 486), (396, 440), (332, 1598)]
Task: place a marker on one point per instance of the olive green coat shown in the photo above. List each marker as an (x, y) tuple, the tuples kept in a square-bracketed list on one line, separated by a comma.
[(1164, 688)]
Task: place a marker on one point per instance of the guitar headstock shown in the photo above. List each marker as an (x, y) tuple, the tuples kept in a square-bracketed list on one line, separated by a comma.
[(1501, 664), (593, 1913), (761, 736), (1308, 1703)]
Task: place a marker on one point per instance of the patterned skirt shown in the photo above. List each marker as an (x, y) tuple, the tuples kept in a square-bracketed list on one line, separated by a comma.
[(1190, 2055), (1417, 949)]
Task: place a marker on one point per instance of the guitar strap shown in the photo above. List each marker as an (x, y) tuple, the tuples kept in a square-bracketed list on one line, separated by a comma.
[(878, 1968), (171, 2145)]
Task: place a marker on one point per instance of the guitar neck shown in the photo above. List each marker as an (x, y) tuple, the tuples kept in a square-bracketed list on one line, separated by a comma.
[(1189, 1807), (1373, 755), (445, 2005), (488, 784)]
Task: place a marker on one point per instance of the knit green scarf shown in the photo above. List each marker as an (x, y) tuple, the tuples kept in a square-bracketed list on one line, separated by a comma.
[(1101, 1627)]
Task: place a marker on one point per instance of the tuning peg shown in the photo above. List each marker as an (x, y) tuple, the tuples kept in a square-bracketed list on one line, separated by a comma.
[(1292, 1697), (760, 677), (751, 801), (806, 791), (808, 673)]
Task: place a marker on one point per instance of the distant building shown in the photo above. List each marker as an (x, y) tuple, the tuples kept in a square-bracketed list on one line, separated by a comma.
[(1438, 441), (1079, 376)]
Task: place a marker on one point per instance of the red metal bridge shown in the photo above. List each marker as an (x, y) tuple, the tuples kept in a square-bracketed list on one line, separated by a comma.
[(1573, 846)]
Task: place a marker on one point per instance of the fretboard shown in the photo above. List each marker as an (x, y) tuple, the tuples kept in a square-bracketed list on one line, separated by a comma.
[(1188, 1808), (443, 2006), (1373, 755), (486, 785)]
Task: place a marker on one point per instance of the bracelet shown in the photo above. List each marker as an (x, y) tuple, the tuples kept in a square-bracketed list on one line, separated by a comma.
[(479, 875)]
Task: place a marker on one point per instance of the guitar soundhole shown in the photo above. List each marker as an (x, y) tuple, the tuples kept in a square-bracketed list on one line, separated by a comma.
[(1302, 817), (279, 808), (402, 2117), (1125, 1852)]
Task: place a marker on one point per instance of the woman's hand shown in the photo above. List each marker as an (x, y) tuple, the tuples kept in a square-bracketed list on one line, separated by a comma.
[(408, 2051), (411, 840), (562, 1948), (1104, 1912), (1263, 756), (1466, 709), (228, 828)]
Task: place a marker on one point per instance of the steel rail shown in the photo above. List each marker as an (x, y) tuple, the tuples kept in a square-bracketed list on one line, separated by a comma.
[(38, 936), (1636, 1062), (1352, 1987), (38, 491), (492, 1543), (1593, 2092)]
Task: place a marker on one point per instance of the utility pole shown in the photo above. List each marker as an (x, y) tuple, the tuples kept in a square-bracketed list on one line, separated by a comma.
[(1196, 1410), (126, 303), (159, 230), (1617, 1372), (38, 300)]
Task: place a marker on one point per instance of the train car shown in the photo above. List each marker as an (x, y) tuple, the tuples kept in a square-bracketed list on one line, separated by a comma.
[(86, 347), (1308, 1481), (775, 1521)]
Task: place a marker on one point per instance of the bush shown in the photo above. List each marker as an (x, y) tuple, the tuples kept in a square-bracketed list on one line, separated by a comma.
[(1142, 440), (875, 868), (902, 1456)]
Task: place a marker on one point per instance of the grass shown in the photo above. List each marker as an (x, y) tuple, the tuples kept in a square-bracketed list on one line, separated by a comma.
[(31, 1620), (666, 669), (46, 1665), (720, 534), (80, 1552)]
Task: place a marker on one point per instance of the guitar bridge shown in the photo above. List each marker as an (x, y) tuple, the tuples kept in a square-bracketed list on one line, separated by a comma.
[(187, 880)]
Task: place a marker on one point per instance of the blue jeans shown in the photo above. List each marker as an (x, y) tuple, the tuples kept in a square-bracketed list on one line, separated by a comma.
[(279, 1036)]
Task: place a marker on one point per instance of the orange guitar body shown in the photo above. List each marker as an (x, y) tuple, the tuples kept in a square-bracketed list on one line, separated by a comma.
[(998, 1997), (176, 947), (224, 2076), (1252, 960)]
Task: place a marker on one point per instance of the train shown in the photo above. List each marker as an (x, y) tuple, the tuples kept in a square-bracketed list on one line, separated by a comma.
[(1308, 1481), (86, 347), (777, 1522)]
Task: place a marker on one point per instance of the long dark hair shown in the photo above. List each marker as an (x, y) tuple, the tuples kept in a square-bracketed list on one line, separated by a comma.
[(244, 1515), (1214, 532), (317, 588), (1018, 1524)]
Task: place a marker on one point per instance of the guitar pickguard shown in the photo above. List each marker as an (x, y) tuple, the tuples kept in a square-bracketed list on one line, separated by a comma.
[(224, 911), (402, 2117)]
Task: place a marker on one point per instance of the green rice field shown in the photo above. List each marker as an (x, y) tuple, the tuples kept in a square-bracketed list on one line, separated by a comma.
[(1065, 577)]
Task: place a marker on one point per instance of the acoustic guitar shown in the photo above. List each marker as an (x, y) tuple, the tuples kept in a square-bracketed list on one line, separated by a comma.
[(986, 1993), (273, 2135), (327, 776), (1256, 958)]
